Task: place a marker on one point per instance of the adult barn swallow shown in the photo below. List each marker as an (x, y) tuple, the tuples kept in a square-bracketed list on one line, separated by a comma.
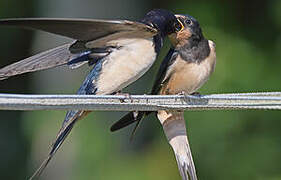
[(187, 66), (121, 51)]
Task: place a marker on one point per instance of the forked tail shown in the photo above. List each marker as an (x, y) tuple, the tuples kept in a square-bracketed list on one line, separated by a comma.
[(174, 127), (70, 119)]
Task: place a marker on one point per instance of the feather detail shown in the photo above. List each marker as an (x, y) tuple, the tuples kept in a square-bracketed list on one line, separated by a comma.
[(82, 29), (71, 118), (54, 57), (174, 127)]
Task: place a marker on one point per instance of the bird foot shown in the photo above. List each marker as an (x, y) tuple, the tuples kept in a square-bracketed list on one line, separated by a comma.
[(184, 94), (186, 98), (127, 96), (196, 94)]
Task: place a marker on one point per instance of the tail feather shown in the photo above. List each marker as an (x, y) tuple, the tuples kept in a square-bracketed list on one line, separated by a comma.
[(135, 130), (185, 162), (128, 119), (63, 133), (39, 171), (174, 127), (45, 60)]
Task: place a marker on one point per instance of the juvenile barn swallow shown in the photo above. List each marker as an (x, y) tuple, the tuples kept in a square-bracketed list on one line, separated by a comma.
[(120, 52), (186, 67)]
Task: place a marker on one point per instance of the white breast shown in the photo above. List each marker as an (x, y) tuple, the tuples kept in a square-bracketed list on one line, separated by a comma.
[(125, 65)]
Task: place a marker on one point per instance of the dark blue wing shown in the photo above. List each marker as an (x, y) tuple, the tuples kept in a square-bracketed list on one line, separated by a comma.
[(81, 29), (166, 63), (88, 87)]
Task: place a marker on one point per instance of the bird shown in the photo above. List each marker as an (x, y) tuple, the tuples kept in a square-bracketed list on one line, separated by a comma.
[(120, 52), (187, 66)]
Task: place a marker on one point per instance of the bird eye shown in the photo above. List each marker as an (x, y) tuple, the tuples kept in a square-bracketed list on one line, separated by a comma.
[(188, 22), (179, 26)]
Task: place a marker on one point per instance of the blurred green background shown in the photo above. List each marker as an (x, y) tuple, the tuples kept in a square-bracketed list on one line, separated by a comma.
[(225, 145)]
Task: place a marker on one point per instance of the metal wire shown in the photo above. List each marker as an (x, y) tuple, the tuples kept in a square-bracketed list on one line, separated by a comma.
[(234, 101)]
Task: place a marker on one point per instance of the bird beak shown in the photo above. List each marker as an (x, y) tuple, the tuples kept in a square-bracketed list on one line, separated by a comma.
[(181, 26)]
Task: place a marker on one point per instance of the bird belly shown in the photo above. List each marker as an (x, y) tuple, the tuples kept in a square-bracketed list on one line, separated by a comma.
[(189, 77), (126, 65)]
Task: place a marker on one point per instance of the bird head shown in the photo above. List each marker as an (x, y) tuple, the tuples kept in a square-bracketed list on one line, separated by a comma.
[(163, 20), (190, 33)]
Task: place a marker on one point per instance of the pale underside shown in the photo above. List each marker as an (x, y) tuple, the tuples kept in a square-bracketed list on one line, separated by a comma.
[(189, 77), (125, 65)]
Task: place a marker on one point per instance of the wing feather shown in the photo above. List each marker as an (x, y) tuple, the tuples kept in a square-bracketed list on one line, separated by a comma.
[(45, 60), (81, 29)]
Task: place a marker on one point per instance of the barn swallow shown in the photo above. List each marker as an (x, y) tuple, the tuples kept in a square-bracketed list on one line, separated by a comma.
[(120, 52), (186, 67)]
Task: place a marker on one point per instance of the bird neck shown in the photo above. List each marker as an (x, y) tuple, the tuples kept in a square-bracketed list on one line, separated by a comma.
[(194, 50)]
